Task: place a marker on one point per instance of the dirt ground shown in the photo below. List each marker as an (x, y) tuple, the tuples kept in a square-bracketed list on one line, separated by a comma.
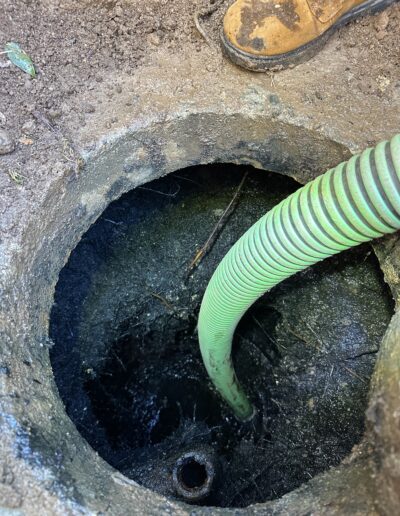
[(76, 44)]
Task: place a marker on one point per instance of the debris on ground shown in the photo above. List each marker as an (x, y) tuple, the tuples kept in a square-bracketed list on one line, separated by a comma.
[(201, 253), (20, 58), (6, 143)]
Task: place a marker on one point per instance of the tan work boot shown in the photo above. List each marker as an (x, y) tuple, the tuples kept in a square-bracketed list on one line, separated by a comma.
[(274, 34)]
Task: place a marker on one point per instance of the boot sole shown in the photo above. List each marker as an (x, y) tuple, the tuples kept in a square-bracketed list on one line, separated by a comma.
[(304, 53)]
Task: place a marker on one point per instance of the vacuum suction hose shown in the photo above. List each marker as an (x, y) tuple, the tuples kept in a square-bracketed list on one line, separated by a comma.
[(355, 202)]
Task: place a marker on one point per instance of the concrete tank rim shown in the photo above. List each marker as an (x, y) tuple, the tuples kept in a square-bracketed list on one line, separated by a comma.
[(71, 204)]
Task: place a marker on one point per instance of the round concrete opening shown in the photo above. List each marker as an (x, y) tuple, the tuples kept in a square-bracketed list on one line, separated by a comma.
[(126, 358), (38, 438)]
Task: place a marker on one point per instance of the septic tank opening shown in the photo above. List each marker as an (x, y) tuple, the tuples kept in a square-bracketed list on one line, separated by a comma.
[(126, 359)]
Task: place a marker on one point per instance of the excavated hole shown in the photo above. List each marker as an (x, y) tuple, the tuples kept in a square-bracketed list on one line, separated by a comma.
[(126, 359)]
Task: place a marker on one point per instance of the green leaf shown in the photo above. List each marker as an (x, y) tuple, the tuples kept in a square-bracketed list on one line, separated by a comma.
[(20, 58)]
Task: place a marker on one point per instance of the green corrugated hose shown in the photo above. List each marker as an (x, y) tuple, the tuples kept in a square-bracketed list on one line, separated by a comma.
[(356, 202)]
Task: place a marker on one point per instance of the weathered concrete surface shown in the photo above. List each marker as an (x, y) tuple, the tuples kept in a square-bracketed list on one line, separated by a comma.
[(172, 113), (384, 420)]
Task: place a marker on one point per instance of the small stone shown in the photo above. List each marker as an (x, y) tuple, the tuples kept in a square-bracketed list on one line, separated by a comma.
[(82, 121), (6, 143), (319, 95), (383, 83), (54, 113), (66, 109), (4, 370), (70, 90), (30, 108), (274, 99), (381, 35), (382, 21), (118, 11), (25, 141), (3, 119), (154, 39), (218, 212), (118, 89), (88, 108), (29, 127)]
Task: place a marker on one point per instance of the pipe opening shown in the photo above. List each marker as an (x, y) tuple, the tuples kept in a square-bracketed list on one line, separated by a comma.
[(192, 474), (126, 359)]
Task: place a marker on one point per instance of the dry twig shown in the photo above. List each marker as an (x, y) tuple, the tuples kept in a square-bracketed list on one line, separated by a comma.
[(164, 301), (353, 373), (201, 253), (201, 14), (70, 153)]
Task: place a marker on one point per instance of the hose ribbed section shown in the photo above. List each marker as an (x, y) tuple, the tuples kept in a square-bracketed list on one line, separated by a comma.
[(356, 202)]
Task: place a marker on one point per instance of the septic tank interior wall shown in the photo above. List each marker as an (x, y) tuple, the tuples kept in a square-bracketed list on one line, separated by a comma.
[(172, 113)]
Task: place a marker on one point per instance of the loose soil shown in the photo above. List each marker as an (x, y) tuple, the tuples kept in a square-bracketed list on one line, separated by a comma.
[(77, 44)]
